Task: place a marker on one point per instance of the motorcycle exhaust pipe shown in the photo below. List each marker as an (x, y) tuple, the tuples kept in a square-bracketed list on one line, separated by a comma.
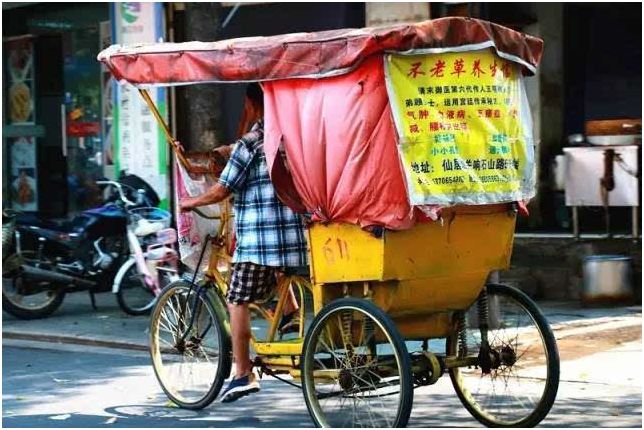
[(38, 274)]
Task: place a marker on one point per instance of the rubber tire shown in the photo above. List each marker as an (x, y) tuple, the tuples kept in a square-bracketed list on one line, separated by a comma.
[(120, 299), (552, 384), (31, 314), (223, 371), (406, 382)]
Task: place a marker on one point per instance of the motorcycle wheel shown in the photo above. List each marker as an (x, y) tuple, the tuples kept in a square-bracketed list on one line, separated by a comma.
[(30, 306)]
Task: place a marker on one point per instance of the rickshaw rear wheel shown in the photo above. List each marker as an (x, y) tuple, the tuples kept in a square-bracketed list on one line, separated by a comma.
[(190, 367), (356, 370), (527, 359)]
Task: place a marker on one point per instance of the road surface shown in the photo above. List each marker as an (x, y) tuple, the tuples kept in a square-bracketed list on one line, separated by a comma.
[(55, 385)]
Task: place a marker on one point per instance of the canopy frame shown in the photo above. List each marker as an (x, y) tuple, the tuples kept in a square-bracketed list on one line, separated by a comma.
[(174, 142)]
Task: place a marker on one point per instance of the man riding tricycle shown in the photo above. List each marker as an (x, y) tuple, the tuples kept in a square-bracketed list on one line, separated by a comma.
[(406, 152)]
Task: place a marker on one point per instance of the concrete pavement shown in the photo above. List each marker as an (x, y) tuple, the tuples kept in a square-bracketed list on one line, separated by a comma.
[(70, 382), (79, 386), (76, 322)]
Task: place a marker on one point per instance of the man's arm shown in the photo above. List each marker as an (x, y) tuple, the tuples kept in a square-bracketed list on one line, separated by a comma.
[(214, 194), (232, 178)]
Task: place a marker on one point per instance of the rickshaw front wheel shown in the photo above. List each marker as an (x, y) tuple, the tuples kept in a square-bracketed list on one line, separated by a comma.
[(516, 380), (356, 370), (190, 344)]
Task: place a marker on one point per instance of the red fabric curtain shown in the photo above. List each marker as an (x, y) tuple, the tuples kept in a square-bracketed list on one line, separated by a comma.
[(339, 140)]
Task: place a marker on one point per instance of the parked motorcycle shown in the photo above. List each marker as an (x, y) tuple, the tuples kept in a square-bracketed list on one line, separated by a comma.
[(44, 259)]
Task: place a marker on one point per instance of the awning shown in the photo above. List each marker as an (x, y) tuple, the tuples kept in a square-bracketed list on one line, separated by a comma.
[(310, 55)]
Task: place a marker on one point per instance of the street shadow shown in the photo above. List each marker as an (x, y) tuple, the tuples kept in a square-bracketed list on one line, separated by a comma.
[(445, 410), (45, 388), (86, 421), (48, 388), (617, 411), (277, 405)]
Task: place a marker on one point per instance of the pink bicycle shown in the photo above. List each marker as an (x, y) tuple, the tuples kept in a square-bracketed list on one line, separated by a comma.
[(153, 263)]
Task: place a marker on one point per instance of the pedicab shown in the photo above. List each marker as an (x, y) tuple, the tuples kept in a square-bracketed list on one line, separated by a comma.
[(409, 150)]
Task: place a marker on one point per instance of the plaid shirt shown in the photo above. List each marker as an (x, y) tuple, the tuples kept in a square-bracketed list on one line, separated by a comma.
[(268, 232)]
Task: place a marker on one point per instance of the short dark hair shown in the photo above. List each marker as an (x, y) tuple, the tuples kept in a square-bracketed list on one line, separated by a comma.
[(254, 93)]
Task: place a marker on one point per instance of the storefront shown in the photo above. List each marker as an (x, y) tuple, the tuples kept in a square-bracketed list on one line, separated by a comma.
[(61, 131)]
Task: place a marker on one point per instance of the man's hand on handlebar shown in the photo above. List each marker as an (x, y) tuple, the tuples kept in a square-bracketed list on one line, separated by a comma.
[(187, 204), (214, 194)]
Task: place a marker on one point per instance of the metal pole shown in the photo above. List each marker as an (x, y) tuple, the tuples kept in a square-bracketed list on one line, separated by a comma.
[(166, 129), (634, 215), (173, 113), (575, 222), (494, 277), (63, 121), (230, 15)]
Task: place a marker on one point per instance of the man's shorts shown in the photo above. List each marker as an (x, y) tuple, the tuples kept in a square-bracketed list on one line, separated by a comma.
[(250, 283)]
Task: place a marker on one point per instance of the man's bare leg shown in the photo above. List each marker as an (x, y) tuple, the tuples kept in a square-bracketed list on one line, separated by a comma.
[(290, 305), (240, 328)]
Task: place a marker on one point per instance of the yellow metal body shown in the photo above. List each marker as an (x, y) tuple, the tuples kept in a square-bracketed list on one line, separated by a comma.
[(418, 276)]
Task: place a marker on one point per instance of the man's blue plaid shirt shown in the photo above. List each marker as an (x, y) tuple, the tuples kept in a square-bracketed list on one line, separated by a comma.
[(268, 232)]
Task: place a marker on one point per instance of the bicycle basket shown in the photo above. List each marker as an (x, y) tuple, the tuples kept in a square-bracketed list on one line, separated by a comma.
[(145, 221)]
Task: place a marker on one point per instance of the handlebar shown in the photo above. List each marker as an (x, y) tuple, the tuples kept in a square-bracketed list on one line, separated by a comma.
[(203, 215), (9, 213), (119, 188)]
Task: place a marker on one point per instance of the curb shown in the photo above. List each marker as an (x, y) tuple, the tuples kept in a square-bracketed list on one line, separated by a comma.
[(39, 337), (560, 330)]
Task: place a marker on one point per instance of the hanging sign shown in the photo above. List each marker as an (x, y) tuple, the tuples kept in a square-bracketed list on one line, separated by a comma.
[(464, 127), (140, 146)]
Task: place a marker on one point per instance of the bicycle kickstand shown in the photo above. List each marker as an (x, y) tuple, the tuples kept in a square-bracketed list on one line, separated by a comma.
[(93, 300)]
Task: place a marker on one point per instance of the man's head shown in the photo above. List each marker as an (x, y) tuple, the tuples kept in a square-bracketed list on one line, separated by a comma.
[(255, 95)]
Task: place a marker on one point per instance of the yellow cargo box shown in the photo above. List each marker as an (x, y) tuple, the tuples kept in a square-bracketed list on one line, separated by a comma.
[(470, 239)]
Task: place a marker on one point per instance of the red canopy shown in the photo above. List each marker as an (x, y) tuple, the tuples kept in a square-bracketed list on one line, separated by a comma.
[(300, 55), (337, 133)]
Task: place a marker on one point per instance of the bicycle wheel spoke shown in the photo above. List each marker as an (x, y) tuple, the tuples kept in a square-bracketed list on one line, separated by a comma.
[(514, 391), (349, 390), (189, 364)]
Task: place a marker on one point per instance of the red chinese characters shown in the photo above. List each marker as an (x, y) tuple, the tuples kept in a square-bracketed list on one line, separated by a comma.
[(493, 68), (476, 69), (507, 70), (459, 67), (415, 70), (438, 69)]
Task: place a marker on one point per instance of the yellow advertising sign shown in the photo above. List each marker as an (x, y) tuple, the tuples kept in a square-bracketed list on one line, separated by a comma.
[(464, 127)]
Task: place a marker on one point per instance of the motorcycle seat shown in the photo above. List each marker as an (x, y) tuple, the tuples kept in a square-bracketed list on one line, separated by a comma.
[(62, 225)]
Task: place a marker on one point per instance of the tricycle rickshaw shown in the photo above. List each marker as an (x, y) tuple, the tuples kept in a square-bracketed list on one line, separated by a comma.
[(385, 280)]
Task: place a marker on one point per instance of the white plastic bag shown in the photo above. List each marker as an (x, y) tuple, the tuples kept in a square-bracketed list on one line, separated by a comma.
[(191, 228)]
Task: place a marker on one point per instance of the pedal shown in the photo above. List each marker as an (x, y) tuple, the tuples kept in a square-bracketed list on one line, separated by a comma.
[(260, 367)]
